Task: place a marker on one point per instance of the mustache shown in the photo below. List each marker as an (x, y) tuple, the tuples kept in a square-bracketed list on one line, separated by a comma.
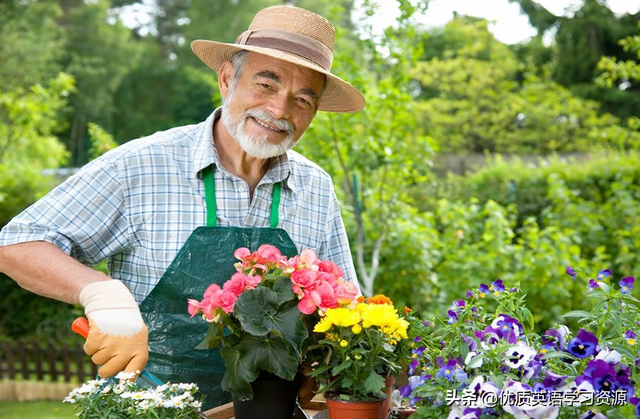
[(281, 124)]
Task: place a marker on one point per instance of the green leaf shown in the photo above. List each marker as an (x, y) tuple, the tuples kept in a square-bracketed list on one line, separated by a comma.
[(212, 338), (374, 383), (580, 314), (260, 313), (337, 370), (269, 353), (527, 317), (623, 350), (557, 354), (238, 376), (475, 361), (464, 349), (282, 286)]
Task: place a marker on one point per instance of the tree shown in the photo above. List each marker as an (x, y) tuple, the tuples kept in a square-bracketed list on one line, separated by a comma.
[(379, 153), (476, 102), (580, 41), (32, 43), (100, 55)]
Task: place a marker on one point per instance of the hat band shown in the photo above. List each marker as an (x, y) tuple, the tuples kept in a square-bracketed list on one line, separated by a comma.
[(290, 42)]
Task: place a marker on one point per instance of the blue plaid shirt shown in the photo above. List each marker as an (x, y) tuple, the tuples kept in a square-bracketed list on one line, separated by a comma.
[(137, 204)]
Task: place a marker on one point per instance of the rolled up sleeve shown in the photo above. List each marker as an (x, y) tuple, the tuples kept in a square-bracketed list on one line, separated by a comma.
[(85, 216)]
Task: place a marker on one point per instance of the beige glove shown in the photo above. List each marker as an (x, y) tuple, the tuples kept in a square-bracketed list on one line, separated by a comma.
[(118, 337)]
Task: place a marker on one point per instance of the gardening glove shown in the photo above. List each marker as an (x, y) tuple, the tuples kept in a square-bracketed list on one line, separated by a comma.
[(118, 337)]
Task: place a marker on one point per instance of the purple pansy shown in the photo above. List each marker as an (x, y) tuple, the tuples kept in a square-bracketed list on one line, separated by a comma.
[(583, 345), (592, 415), (626, 284), (557, 336), (483, 289), (507, 328), (497, 287), (571, 272), (592, 285), (413, 365), (602, 274), (471, 342), (630, 336), (414, 382), (452, 317), (469, 294)]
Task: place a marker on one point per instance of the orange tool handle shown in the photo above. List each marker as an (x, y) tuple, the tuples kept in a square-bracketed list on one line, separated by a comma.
[(81, 326)]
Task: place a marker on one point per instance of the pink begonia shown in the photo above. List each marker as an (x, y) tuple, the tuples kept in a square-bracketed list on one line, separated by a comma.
[(211, 289), (227, 300), (306, 305), (330, 267), (324, 296), (241, 253), (252, 282), (194, 307), (346, 292), (236, 284), (304, 278)]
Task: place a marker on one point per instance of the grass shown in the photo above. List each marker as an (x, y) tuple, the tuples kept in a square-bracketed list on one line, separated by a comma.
[(36, 410)]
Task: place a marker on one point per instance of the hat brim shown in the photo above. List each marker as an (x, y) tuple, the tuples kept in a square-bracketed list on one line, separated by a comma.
[(339, 96)]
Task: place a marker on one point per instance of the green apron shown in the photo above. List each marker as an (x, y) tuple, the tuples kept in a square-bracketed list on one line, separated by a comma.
[(205, 258)]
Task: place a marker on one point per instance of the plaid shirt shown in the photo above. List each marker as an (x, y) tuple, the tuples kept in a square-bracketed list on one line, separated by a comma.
[(137, 204)]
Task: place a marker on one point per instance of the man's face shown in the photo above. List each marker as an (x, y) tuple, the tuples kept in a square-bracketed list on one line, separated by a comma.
[(270, 105)]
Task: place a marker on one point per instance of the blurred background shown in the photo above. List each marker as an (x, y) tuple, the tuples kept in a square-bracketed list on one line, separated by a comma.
[(500, 139)]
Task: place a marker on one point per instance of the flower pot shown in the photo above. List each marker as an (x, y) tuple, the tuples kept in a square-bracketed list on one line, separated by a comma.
[(389, 382), (273, 398), (340, 409)]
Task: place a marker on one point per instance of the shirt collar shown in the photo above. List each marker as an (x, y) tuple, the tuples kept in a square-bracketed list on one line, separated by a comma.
[(204, 154)]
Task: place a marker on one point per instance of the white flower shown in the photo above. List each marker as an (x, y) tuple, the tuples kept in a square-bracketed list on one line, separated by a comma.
[(518, 355), (610, 356), (476, 364), (126, 375), (523, 410)]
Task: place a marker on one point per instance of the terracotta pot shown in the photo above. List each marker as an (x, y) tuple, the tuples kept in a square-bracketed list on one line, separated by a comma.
[(389, 382), (273, 398), (340, 409)]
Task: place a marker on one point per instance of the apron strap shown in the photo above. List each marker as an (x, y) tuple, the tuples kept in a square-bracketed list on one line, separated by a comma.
[(210, 199)]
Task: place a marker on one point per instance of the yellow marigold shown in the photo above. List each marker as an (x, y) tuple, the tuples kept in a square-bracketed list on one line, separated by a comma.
[(344, 343), (343, 317), (385, 317), (379, 299), (323, 325), (356, 329)]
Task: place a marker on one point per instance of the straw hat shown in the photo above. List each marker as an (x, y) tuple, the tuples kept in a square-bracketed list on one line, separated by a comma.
[(294, 35)]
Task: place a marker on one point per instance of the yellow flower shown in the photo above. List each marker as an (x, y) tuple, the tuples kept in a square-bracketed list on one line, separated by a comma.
[(323, 325), (343, 317), (356, 329), (344, 343), (385, 317)]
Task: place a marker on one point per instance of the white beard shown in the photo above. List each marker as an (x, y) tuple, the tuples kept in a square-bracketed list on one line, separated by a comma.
[(260, 147)]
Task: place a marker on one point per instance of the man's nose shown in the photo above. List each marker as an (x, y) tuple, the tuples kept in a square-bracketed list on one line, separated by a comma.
[(280, 106)]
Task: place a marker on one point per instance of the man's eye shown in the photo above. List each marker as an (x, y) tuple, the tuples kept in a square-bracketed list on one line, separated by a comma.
[(304, 101), (264, 85)]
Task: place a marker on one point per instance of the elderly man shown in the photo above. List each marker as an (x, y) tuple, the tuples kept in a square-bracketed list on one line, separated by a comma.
[(167, 211)]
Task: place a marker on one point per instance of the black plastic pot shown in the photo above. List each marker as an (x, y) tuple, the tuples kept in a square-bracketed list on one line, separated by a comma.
[(273, 398)]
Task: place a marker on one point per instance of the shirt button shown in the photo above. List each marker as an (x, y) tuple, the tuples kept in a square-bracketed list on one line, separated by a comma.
[(241, 188)]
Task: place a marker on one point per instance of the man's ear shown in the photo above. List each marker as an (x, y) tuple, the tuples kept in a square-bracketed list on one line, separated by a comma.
[(225, 76)]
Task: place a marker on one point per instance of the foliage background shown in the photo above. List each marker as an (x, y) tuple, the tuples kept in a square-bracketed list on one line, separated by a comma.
[(74, 82)]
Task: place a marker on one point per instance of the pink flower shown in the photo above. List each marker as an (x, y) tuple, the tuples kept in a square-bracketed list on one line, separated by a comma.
[(252, 282), (211, 289), (324, 296), (308, 258), (208, 309), (236, 284), (306, 305), (227, 300), (346, 292), (304, 278), (296, 289), (330, 267), (194, 307), (241, 253), (269, 254), (328, 277)]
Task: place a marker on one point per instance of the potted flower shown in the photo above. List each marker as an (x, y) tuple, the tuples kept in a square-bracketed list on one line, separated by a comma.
[(481, 362), (260, 320), (124, 399), (360, 347)]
